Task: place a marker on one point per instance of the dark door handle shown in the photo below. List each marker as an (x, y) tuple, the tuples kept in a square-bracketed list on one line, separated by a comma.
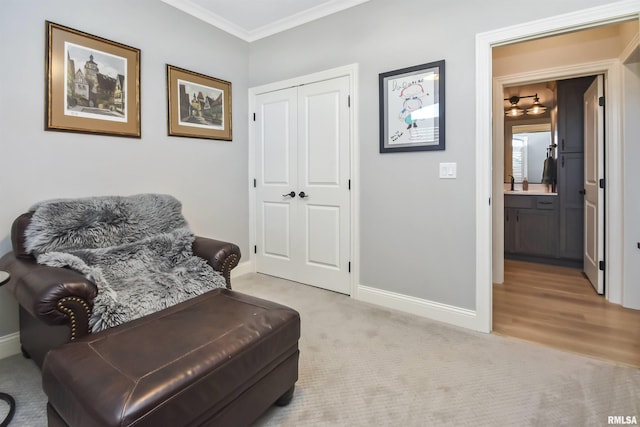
[(292, 194), (562, 161), (583, 192), (303, 195)]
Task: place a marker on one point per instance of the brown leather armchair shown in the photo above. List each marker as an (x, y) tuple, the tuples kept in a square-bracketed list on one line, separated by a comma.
[(56, 303)]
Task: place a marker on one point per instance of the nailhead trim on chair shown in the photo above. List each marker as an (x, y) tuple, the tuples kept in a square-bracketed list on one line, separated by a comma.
[(230, 262), (70, 313)]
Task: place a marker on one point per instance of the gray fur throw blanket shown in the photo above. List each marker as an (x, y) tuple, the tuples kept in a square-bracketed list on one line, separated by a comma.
[(136, 249)]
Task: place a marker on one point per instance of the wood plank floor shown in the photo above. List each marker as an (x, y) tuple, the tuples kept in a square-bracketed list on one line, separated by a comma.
[(557, 307)]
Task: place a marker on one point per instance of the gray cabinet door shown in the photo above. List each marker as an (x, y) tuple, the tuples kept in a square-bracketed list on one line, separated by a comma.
[(571, 114), (509, 230), (570, 191), (535, 232), (570, 166)]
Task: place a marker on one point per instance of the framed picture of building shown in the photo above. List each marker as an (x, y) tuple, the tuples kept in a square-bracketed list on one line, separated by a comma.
[(92, 84), (199, 106)]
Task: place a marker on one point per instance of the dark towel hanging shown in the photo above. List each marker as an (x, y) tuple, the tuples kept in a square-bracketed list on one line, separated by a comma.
[(549, 171)]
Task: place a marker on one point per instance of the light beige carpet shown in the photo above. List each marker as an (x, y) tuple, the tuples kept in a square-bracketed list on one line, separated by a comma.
[(361, 365)]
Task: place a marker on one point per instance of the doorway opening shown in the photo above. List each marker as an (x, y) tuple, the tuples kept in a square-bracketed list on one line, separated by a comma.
[(555, 227), (546, 156), (489, 120), (561, 82)]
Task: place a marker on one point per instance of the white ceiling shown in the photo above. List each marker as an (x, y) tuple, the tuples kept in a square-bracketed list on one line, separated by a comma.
[(251, 20)]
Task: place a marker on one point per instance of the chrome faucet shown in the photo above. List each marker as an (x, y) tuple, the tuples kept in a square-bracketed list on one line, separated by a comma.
[(513, 180)]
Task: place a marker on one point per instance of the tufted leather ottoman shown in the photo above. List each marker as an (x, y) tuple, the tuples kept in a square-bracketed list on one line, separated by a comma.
[(220, 359)]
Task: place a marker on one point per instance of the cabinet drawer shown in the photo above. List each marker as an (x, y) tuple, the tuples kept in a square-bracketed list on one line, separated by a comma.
[(522, 202), (546, 203)]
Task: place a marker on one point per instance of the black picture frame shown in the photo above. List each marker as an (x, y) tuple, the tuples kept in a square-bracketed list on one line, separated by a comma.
[(412, 108)]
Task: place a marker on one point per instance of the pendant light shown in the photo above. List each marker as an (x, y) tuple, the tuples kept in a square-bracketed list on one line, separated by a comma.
[(514, 110), (536, 108)]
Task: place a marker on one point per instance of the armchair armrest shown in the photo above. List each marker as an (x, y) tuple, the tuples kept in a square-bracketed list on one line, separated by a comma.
[(222, 256), (54, 295)]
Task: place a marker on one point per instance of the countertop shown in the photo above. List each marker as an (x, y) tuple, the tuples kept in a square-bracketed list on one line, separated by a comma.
[(530, 193)]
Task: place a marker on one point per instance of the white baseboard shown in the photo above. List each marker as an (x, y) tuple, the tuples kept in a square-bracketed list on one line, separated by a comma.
[(9, 345), (242, 268), (420, 307)]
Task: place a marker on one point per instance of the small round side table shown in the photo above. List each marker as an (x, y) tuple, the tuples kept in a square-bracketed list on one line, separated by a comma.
[(4, 278)]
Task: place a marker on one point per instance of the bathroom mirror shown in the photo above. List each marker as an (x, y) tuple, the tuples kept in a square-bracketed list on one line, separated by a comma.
[(526, 144)]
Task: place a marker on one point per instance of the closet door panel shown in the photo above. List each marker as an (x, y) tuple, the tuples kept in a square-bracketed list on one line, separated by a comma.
[(276, 177), (323, 167)]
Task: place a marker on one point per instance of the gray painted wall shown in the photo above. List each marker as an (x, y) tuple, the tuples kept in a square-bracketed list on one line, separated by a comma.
[(209, 177), (417, 231)]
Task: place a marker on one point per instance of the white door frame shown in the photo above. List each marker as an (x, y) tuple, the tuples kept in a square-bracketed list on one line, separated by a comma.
[(354, 160), (485, 42)]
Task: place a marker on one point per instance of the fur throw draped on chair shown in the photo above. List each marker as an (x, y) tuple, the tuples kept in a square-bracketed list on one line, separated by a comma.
[(136, 249)]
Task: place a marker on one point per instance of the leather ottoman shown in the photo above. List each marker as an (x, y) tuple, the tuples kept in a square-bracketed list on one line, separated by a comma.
[(220, 359)]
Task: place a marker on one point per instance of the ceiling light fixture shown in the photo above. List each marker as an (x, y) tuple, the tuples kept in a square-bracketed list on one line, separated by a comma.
[(515, 111), (536, 108)]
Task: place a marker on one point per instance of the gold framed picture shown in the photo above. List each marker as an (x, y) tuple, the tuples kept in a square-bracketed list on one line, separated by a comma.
[(92, 84), (199, 106)]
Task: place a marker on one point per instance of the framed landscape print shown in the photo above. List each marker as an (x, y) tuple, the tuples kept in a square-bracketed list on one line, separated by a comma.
[(412, 108), (199, 106), (92, 84)]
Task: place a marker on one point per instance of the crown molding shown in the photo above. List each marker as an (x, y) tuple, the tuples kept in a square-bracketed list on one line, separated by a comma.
[(631, 53), (284, 24), (209, 17)]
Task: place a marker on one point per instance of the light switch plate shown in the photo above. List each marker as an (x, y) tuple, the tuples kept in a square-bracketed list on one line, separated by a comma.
[(448, 170)]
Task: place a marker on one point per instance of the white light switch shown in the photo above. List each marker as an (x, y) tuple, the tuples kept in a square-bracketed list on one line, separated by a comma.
[(448, 170)]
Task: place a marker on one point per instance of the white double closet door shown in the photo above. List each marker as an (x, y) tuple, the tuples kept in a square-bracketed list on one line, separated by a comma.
[(302, 184)]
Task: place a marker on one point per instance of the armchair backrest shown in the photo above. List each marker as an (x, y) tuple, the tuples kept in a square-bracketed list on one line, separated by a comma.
[(17, 235), (61, 225)]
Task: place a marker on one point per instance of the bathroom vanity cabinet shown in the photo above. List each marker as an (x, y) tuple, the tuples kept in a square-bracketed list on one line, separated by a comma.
[(531, 225)]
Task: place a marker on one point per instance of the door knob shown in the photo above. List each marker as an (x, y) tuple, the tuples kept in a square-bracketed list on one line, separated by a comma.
[(583, 192), (292, 194), (303, 195)]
